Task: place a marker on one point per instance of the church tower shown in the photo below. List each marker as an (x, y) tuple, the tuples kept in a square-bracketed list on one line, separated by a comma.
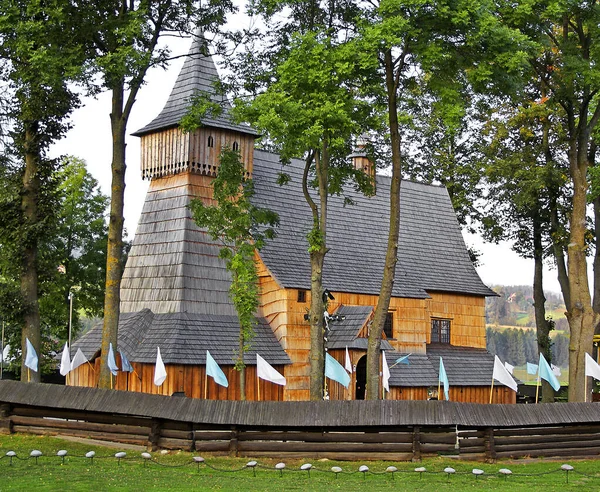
[(173, 266)]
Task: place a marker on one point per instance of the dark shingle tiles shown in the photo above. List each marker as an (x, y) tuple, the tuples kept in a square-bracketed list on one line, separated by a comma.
[(343, 332), (183, 338), (198, 75), (431, 257)]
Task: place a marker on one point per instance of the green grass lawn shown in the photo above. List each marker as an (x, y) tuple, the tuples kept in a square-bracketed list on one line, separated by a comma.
[(176, 471)]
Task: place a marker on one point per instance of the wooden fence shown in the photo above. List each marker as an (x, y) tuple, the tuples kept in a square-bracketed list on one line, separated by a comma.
[(383, 430)]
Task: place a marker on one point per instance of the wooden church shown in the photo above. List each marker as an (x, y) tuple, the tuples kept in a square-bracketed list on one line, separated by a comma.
[(174, 292)]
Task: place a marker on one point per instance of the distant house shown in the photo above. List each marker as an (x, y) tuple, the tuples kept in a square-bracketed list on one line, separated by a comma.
[(174, 292)]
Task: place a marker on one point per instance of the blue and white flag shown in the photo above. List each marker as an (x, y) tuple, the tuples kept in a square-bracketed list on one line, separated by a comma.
[(125, 364), (403, 360), (213, 370), (334, 370), (266, 371), (444, 379), (532, 368), (78, 359), (31, 358), (547, 374), (348, 362), (111, 362)]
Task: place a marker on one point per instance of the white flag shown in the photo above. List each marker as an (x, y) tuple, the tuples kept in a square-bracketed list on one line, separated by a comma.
[(501, 374), (386, 372), (267, 372), (556, 370), (509, 367), (591, 367), (160, 373), (348, 363), (65, 361), (78, 359), (4, 355), (31, 358)]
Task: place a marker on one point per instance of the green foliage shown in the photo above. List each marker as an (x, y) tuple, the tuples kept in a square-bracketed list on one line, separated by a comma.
[(241, 227), (201, 106)]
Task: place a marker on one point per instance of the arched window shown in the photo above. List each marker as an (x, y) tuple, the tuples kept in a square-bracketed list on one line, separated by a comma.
[(211, 141), (236, 146)]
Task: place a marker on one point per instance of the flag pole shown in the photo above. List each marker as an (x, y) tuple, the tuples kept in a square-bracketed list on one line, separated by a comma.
[(439, 386), (492, 391), (586, 378), (91, 365), (537, 386), (257, 384), (28, 375)]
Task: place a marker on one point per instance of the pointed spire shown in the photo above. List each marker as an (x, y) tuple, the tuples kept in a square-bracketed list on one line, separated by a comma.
[(198, 75)]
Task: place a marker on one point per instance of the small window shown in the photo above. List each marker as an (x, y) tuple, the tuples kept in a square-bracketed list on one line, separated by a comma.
[(211, 141), (440, 331), (388, 326), (301, 296), (236, 146)]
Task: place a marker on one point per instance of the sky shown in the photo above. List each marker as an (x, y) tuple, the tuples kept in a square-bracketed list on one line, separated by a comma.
[(90, 139)]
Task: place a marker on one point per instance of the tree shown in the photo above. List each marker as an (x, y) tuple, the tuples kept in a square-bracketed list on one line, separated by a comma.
[(312, 108), (566, 38), (41, 54), (72, 252), (126, 36), (426, 44), (241, 228)]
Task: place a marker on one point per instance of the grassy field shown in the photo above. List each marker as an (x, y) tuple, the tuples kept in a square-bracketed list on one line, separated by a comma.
[(176, 471)]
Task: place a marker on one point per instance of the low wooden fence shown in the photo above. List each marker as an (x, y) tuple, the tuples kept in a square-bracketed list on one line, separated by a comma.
[(384, 430)]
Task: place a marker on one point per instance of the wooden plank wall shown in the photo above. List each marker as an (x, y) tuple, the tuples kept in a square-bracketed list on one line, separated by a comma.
[(397, 443), (172, 151), (185, 380), (467, 315)]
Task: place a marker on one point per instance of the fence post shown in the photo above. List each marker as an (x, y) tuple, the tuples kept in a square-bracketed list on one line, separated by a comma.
[(233, 442), (489, 446), (154, 436), (416, 444), (5, 422)]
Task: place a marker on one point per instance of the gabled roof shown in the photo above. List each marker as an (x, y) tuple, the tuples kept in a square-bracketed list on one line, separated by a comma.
[(432, 255), (198, 75), (343, 332), (184, 338), (465, 366)]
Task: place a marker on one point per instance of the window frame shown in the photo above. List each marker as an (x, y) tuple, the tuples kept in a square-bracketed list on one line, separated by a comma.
[(442, 331)]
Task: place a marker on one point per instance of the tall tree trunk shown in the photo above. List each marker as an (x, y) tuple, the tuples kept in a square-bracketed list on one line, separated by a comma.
[(581, 317), (391, 256), (114, 260), (29, 274), (542, 325)]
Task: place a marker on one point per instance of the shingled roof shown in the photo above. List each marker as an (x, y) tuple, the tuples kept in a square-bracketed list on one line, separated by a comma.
[(465, 366), (197, 76), (431, 256), (184, 338), (344, 328)]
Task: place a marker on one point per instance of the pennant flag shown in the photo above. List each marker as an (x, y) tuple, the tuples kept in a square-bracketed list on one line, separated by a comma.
[(444, 379), (111, 362), (267, 372), (31, 358), (213, 370), (125, 364), (4, 354), (65, 361), (509, 367), (403, 360), (160, 373), (78, 359), (532, 368), (334, 370), (501, 374), (591, 367), (386, 372), (556, 370), (348, 362), (547, 374)]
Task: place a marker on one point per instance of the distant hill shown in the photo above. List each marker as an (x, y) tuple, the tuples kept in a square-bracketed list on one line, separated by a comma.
[(514, 307)]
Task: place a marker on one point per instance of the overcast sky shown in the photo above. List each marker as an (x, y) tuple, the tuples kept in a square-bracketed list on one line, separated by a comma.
[(90, 140)]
